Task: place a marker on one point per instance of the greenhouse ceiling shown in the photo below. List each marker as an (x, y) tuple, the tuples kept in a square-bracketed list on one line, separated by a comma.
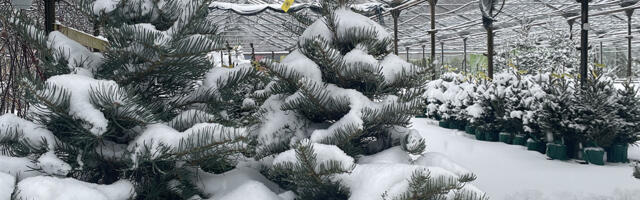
[(244, 22)]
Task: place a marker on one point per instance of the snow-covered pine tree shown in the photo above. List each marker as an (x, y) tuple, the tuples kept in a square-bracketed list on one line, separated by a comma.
[(554, 116), (491, 99), (628, 110), (131, 115), (342, 86), (595, 109), (340, 95)]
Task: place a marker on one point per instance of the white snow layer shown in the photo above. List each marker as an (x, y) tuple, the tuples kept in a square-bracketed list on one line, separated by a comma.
[(233, 184), (301, 64), (348, 20), (7, 184), (510, 172), (78, 56), (20, 168), (51, 164), (79, 88), (52, 188), (324, 153), (32, 133), (157, 135)]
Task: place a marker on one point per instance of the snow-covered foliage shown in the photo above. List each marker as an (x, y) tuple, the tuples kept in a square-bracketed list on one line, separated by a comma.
[(341, 95), (546, 107)]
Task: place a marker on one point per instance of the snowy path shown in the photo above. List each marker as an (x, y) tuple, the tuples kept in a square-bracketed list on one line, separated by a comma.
[(510, 172)]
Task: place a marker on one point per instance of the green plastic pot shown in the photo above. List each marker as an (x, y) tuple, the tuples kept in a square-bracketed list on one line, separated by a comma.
[(470, 130), (618, 153), (594, 155), (479, 134), (492, 136), (506, 138), (520, 140), (533, 145), (557, 151), (444, 124), (461, 125)]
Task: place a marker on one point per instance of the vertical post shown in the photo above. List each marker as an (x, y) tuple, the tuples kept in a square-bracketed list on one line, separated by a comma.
[(273, 56), (395, 14), (601, 50), (584, 41), (253, 53), (49, 15), (424, 58), (464, 59), (432, 32), (229, 54), (629, 37), (407, 48), (221, 58), (490, 52), (442, 54)]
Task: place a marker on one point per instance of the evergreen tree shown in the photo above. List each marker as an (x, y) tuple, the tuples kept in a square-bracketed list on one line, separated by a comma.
[(628, 110), (595, 109), (342, 86), (136, 111), (555, 115)]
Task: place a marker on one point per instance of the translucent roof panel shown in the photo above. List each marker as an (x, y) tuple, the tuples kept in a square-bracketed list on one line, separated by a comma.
[(455, 19)]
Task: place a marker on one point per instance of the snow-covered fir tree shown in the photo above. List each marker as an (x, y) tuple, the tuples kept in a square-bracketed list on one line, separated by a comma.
[(339, 102), (342, 86), (628, 110), (136, 117), (595, 110), (555, 117)]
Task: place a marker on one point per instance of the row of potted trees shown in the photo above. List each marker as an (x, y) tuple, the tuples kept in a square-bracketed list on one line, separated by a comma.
[(548, 113)]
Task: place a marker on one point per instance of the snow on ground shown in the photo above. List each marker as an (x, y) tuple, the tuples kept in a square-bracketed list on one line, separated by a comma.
[(510, 172)]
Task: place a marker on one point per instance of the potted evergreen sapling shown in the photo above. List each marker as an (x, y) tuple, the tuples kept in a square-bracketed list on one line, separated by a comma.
[(628, 111), (594, 107), (555, 115)]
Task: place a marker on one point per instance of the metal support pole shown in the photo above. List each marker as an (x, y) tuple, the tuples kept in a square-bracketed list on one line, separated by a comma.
[(395, 14), (490, 52), (49, 15), (253, 52), (273, 56), (584, 41), (407, 48), (424, 58), (601, 50), (229, 53), (464, 59), (432, 32), (629, 37), (441, 54)]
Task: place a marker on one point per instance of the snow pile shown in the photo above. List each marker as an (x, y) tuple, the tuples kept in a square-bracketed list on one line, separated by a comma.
[(80, 105), (160, 135), (324, 153), (83, 61), (302, 65), (499, 166), (7, 184), (237, 184), (43, 187), (32, 133), (348, 20)]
